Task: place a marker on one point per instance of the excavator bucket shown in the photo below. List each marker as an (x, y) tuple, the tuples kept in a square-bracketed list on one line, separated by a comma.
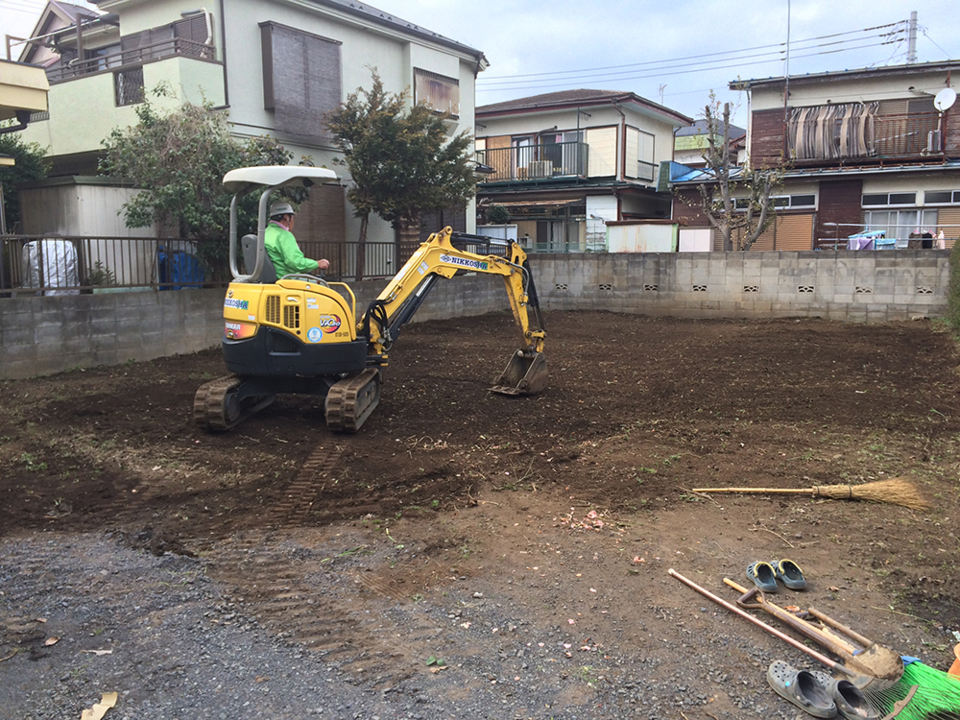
[(525, 374)]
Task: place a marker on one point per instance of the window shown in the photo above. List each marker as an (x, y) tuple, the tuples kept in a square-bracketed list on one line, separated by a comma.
[(128, 86), (301, 81), (882, 199), (438, 92), (106, 57), (941, 197), (781, 202), (900, 224)]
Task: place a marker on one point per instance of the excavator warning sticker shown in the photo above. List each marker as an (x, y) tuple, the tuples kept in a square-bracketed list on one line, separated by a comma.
[(464, 262)]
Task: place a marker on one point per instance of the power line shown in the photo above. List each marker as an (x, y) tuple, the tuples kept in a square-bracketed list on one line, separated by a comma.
[(770, 57), (659, 73), (507, 78)]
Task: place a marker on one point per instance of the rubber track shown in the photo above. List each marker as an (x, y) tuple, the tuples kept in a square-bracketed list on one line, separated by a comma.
[(350, 401), (208, 405)]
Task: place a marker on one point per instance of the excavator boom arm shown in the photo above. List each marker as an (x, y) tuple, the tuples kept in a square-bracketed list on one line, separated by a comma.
[(437, 258)]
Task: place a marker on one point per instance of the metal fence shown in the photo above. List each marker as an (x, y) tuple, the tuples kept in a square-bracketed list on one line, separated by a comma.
[(57, 265), (888, 236), (133, 56), (535, 162)]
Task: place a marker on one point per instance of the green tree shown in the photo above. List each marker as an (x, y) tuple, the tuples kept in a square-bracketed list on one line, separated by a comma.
[(400, 157), (29, 164), (179, 159), (739, 205)]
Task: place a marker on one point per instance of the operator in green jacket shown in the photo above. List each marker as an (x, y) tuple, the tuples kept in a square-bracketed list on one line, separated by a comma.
[(281, 245)]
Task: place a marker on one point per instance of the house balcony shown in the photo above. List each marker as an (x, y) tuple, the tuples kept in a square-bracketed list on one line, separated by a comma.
[(533, 163), (87, 99), (819, 140), (133, 57)]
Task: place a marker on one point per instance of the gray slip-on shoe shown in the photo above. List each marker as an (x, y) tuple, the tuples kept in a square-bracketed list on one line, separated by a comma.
[(802, 689)]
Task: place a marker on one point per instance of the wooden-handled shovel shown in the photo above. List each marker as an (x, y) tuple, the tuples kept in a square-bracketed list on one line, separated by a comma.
[(874, 660)]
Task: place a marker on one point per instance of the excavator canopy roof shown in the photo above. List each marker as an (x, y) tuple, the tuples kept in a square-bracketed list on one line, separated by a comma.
[(244, 179)]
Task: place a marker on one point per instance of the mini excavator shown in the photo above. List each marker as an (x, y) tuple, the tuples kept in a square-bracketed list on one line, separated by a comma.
[(299, 333)]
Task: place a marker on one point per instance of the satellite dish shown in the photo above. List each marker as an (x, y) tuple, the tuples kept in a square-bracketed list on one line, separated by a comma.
[(945, 99)]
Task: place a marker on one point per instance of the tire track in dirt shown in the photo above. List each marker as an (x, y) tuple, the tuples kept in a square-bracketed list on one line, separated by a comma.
[(301, 494), (294, 593)]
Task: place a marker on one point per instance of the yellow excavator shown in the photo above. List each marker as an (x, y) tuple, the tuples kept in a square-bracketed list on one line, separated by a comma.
[(300, 333)]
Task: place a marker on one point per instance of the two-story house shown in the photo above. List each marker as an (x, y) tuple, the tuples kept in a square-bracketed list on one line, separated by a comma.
[(873, 150), (690, 143), (277, 67), (566, 163)]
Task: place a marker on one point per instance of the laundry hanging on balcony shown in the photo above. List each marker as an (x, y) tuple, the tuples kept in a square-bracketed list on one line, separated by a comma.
[(827, 132)]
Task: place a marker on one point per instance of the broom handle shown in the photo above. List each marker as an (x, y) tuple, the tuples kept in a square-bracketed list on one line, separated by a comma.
[(759, 623), (840, 626), (833, 644), (782, 491)]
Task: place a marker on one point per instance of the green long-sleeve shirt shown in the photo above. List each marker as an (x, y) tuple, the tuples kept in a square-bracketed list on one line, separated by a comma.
[(286, 255)]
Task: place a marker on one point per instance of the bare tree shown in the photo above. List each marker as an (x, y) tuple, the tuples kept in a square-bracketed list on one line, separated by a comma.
[(738, 202)]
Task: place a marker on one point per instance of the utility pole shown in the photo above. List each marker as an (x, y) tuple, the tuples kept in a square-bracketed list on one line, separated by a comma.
[(912, 39)]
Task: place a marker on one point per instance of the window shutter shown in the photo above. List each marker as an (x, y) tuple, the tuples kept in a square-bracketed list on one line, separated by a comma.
[(301, 81)]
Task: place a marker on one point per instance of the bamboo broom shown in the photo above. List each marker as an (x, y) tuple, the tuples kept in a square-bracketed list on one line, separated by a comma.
[(895, 491)]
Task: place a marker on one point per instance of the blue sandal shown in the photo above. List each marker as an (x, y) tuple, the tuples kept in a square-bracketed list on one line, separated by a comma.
[(763, 576), (790, 574)]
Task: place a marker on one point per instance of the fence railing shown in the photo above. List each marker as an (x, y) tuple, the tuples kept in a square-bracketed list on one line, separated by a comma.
[(907, 135), (646, 170), (133, 56), (535, 162), (55, 265), (887, 236)]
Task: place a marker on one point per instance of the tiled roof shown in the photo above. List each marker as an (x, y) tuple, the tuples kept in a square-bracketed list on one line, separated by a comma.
[(564, 97), (380, 17), (574, 98)]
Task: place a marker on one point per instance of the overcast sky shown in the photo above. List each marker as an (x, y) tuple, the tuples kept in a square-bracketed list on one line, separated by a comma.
[(672, 51)]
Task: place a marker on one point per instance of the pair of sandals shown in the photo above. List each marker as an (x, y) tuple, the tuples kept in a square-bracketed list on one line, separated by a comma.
[(819, 694), (765, 575)]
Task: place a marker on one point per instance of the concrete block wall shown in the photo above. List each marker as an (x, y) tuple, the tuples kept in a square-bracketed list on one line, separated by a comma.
[(47, 335), (846, 286)]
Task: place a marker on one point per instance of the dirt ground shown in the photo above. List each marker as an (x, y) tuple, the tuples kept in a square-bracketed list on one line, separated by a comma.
[(568, 508)]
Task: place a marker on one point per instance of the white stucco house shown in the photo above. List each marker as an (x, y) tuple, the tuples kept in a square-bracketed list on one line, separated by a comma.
[(277, 66)]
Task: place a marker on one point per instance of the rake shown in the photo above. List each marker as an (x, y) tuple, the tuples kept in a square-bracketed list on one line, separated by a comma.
[(895, 491)]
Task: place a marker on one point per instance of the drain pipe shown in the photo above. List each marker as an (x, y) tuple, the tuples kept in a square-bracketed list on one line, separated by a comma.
[(623, 157)]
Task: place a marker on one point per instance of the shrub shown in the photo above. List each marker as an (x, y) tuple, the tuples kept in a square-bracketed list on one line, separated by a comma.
[(498, 215), (953, 291)]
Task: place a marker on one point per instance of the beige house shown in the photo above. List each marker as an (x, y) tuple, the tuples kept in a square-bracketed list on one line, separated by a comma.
[(277, 66), (566, 163)]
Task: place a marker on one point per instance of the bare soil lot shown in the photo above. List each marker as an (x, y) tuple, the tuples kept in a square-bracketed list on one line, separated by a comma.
[(522, 544)]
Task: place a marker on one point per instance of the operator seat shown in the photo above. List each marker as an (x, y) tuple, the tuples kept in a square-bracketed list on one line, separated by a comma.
[(268, 273)]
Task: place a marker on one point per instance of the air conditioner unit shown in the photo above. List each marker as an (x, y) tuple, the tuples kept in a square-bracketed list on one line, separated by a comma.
[(933, 141), (540, 169)]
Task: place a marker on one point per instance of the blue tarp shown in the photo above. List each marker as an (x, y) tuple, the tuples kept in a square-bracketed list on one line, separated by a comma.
[(179, 268)]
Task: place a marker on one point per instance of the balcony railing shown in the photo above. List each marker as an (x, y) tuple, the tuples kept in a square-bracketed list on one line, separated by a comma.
[(907, 135), (50, 265), (646, 170), (535, 162), (134, 56)]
